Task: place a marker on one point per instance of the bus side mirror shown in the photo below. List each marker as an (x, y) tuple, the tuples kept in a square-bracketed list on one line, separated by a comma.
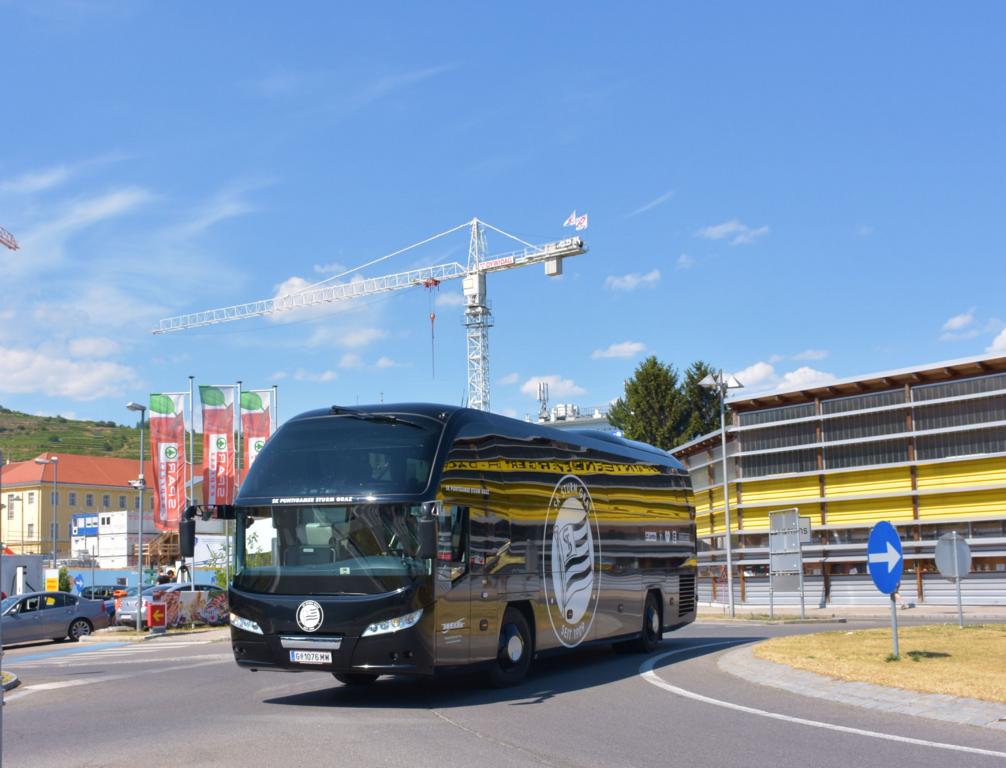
[(187, 534), (427, 538)]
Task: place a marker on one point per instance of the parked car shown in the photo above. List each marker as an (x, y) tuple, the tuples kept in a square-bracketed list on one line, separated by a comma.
[(126, 612), (100, 592), (50, 616)]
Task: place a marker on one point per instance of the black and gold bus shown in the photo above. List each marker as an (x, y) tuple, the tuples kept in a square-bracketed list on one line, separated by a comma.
[(405, 539)]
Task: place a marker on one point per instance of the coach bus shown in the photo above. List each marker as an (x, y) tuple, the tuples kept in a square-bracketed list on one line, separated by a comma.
[(405, 539)]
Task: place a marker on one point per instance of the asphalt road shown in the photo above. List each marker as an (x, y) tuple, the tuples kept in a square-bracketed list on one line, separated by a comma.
[(184, 702)]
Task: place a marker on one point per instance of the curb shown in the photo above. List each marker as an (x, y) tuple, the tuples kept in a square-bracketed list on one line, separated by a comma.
[(742, 663), (103, 636), (13, 683)]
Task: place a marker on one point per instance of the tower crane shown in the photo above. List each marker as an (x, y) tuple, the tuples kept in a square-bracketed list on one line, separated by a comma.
[(478, 315), (6, 238)]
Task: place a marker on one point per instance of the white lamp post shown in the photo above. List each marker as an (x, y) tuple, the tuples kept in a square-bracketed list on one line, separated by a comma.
[(139, 485), (723, 385), (54, 499)]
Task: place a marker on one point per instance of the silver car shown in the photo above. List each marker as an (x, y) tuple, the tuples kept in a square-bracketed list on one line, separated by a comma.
[(50, 616), (126, 612)]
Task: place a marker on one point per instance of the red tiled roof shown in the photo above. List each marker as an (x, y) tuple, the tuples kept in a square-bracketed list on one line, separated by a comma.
[(76, 470)]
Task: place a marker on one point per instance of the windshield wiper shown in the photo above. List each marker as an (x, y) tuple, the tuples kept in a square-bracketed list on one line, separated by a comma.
[(338, 410)]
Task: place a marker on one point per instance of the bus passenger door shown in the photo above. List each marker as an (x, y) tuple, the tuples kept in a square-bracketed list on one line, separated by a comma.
[(490, 547), (453, 587)]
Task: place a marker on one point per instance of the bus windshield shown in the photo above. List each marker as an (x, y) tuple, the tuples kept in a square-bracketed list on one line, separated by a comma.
[(345, 454), (328, 550)]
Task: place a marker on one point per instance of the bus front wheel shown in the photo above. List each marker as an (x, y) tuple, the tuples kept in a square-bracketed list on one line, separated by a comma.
[(513, 654)]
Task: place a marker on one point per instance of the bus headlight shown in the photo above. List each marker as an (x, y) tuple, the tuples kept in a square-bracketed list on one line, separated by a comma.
[(393, 625), (246, 624)]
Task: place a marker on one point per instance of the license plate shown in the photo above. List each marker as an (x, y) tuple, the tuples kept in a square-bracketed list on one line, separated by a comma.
[(311, 657)]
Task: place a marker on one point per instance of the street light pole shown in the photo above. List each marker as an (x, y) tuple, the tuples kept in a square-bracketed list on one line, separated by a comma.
[(722, 385), (139, 485), (53, 500)]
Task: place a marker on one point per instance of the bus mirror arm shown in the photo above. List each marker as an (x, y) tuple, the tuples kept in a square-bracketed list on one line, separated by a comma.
[(427, 549), (493, 560)]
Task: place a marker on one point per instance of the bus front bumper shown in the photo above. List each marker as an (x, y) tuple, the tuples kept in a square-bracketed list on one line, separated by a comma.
[(398, 653)]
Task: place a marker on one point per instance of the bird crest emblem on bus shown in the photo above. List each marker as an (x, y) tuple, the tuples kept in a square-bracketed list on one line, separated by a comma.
[(571, 553)]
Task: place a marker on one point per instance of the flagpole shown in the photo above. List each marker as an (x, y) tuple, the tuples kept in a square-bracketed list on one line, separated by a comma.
[(274, 418), (190, 493), (238, 448)]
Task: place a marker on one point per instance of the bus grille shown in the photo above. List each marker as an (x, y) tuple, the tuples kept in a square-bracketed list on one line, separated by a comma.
[(686, 594)]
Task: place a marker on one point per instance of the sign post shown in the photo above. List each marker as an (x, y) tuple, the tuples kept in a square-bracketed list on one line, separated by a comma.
[(953, 558), (787, 532), (885, 562)]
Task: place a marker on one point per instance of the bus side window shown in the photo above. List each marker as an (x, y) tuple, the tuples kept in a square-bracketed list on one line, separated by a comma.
[(459, 535)]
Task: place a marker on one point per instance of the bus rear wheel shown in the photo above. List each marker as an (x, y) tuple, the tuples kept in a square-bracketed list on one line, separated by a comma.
[(513, 654), (354, 678), (652, 632)]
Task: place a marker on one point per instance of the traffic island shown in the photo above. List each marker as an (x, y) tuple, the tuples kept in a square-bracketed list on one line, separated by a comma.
[(10, 681), (939, 659)]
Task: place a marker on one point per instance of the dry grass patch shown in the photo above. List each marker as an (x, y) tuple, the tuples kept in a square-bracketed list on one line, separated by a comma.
[(967, 662)]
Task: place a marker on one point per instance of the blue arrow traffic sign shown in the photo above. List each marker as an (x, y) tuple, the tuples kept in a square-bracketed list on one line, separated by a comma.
[(883, 557), (78, 583)]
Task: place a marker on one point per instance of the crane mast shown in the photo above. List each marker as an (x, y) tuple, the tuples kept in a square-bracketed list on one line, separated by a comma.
[(478, 315)]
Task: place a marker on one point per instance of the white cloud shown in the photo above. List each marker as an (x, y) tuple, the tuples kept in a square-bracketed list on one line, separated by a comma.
[(386, 362), (734, 230), (385, 86), (805, 376), (450, 299), (998, 343), (558, 387), (621, 350), (632, 281), (961, 321), (811, 354), (93, 346), (511, 412), (963, 326), (864, 230), (657, 201), (510, 378), (278, 376), (36, 181), (350, 360), (332, 268), (685, 261), (34, 371), (226, 204), (318, 377), (361, 337), (763, 377)]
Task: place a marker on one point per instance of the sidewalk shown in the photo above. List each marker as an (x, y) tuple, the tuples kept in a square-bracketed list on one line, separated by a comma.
[(939, 614), (126, 635), (744, 664)]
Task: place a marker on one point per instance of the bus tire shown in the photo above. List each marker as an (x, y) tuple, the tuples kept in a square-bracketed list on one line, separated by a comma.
[(652, 633), (514, 652), (355, 678)]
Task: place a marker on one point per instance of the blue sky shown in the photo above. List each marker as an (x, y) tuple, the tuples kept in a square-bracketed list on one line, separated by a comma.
[(790, 191)]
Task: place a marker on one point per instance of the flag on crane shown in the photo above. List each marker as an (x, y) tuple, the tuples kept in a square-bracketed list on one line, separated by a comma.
[(218, 444), (571, 221), (581, 222), (167, 448)]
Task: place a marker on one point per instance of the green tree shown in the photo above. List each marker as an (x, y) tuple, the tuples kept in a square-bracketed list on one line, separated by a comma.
[(702, 405), (653, 409), (64, 579)]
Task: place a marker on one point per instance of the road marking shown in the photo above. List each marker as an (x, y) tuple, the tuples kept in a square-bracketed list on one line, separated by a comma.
[(96, 652), (28, 690), (649, 675), (65, 651)]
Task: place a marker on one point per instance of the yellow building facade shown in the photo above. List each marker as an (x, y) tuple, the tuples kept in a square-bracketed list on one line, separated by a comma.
[(36, 497), (923, 448)]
